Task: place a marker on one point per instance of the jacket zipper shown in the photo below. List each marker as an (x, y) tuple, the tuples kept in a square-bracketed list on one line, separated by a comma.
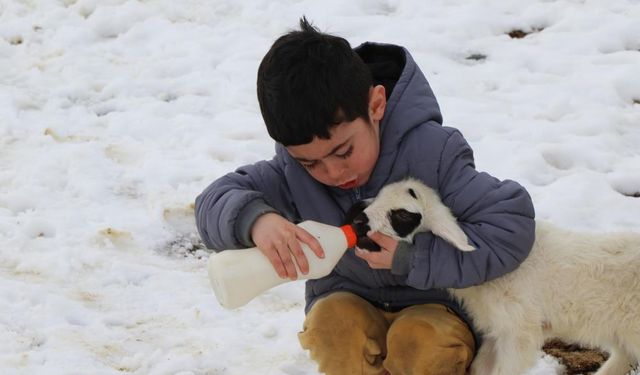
[(356, 194)]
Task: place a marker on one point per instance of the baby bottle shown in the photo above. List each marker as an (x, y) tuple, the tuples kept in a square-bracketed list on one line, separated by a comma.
[(239, 275)]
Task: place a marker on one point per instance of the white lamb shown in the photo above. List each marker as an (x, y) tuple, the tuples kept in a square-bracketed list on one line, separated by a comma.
[(579, 287)]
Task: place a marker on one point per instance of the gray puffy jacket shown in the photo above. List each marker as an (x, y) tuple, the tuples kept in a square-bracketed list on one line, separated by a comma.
[(497, 216)]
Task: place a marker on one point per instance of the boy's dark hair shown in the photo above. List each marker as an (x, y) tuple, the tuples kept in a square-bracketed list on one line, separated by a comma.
[(309, 82)]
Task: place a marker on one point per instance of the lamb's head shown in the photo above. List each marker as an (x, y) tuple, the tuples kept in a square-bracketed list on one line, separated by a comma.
[(403, 209)]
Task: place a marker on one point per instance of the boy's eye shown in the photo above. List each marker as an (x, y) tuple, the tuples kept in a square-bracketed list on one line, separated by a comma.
[(346, 154), (309, 165)]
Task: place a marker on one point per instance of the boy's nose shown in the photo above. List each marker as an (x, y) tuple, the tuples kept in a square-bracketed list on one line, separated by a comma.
[(336, 172)]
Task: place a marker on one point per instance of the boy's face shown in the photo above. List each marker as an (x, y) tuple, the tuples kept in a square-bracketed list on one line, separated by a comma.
[(347, 158)]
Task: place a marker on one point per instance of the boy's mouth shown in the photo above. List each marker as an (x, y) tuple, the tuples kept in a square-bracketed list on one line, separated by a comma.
[(349, 184)]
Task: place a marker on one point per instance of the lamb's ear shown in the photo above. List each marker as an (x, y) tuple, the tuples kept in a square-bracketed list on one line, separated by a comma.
[(450, 231)]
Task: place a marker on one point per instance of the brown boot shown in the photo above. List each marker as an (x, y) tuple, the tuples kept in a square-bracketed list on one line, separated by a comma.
[(345, 335), (428, 339)]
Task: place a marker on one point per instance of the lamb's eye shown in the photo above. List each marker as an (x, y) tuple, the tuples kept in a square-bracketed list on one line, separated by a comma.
[(404, 222), (413, 193)]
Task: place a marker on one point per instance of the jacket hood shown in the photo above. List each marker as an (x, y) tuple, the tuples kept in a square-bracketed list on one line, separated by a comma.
[(410, 103)]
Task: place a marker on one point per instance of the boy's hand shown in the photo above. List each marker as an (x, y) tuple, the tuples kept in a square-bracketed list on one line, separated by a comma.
[(379, 259), (279, 240)]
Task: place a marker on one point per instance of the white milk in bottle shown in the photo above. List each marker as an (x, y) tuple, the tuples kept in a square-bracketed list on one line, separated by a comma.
[(237, 276)]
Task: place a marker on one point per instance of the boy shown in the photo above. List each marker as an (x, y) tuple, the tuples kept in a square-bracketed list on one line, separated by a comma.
[(346, 123)]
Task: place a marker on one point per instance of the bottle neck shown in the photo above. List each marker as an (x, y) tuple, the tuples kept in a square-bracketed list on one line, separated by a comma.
[(350, 235)]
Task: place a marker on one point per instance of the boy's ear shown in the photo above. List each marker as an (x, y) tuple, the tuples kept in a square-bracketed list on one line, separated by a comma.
[(377, 102)]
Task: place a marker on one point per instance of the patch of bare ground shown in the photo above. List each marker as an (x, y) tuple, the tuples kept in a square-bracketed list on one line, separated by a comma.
[(519, 34), (576, 359)]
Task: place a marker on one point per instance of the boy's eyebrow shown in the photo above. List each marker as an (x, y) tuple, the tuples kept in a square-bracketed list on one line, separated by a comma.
[(333, 151)]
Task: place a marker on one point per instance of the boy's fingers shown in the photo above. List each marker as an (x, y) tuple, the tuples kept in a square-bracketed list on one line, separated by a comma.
[(285, 256), (311, 241), (381, 239), (377, 237), (298, 254), (290, 266), (376, 260), (362, 254), (367, 255), (276, 262)]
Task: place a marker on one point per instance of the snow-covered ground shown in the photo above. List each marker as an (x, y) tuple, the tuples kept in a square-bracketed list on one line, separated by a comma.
[(115, 114)]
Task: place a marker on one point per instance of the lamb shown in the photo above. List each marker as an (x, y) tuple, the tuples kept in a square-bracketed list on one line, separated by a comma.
[(579, 287)]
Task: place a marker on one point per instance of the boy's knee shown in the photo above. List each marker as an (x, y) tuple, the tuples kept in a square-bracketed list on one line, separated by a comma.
[(345, 334), (418, 354), (417, 346), (335, 304), (343, 310)]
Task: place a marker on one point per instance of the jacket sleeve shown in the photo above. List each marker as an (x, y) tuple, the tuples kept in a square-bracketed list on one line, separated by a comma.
[(497, 216), (226, 209)]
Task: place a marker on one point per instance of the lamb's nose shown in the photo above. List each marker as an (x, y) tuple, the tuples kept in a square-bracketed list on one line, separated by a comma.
[(361, 225), (362, 218)]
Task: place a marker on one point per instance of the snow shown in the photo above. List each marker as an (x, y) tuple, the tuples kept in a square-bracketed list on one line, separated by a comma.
[(115, 114)]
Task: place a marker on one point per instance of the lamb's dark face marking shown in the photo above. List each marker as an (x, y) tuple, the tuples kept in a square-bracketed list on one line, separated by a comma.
[(404, 222), (399, 219)]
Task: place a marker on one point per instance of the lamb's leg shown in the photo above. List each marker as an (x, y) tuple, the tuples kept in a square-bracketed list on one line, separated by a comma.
[(619, 363), (517, 351), (483, 362)]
